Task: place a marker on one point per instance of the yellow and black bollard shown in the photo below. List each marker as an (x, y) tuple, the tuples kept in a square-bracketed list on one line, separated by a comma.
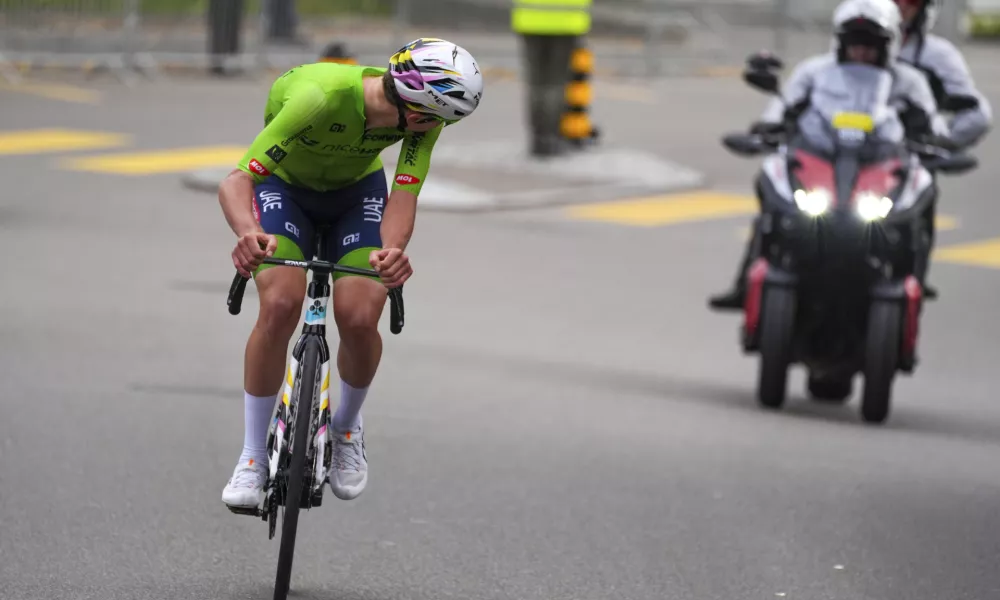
[(576, 125), (337, 53)]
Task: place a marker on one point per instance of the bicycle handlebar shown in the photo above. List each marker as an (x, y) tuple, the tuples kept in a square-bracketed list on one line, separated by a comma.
[(396, 313)]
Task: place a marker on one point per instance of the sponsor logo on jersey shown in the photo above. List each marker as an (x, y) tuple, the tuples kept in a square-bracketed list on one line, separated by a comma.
[(337, 128), (382, 137), (410, 158), (276, 154), (296, 135), (349, 149), (405, 179), (258, 168)]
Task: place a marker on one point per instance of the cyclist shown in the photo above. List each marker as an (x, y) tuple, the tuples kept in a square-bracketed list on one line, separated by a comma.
[(867, 32), (316, 162)]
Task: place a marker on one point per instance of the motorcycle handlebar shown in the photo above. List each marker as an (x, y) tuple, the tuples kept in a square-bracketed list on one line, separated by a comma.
[(774, 139)]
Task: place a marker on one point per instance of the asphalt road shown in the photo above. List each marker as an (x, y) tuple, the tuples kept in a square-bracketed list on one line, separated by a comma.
[(561, 419)]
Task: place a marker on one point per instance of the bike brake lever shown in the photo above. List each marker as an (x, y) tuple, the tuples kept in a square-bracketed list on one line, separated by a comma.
[(396, 312)]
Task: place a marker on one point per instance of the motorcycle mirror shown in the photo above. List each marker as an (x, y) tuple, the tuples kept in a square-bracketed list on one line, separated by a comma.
[(743, 144), (765, 81), (952, 165), (764, 61), (959, 102)]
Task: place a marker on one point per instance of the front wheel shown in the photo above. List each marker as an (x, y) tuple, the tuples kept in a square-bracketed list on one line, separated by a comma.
[(881, 359), (296, 469), (777, 326)]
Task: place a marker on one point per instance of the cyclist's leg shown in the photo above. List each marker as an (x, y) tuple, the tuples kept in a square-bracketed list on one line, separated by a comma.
[(281, 291), (357, 306)]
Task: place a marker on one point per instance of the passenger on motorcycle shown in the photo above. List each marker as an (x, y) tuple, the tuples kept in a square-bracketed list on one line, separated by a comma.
[(945, 68), (948, 74), (867, 40)]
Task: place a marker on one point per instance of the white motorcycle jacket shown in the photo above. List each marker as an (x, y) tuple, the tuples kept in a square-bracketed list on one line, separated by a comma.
[(830, 87), (948, 73)]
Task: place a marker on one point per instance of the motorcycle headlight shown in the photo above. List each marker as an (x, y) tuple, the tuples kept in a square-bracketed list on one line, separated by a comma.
[(814, 202), (871, 207)]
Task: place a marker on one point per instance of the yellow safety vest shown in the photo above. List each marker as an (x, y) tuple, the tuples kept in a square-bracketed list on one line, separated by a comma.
[(551, 17)]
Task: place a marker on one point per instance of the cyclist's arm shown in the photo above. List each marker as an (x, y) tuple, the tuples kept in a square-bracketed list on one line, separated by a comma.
[(411, 171), (302, 104)]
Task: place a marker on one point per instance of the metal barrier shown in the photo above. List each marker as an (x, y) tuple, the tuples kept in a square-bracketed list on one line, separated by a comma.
[(126, 37), (81, 33), (645, 38), (713, 34)]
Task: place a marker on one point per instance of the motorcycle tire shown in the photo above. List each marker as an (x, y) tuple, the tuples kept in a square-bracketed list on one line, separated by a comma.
[(881, 359), (830, 391), (777, 326)]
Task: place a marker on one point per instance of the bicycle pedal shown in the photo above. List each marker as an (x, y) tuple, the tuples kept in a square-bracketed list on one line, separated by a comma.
[(250, 512)]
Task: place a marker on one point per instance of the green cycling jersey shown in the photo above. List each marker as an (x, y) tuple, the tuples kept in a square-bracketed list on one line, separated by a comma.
[(315, 133)]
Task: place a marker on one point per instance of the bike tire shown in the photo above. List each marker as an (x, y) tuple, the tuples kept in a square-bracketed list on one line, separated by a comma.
[(296, 470)]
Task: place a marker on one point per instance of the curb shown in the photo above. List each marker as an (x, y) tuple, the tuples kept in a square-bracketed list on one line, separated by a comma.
[(444, 195)]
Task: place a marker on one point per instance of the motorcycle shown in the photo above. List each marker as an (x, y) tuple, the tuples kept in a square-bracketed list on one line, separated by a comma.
[(835, 287)]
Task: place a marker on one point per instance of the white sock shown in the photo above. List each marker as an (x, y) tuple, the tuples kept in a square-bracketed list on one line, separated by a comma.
[(348, 415), (257, 416)]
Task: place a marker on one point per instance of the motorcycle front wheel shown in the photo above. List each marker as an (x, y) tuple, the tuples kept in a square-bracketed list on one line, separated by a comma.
[(881, 359), (777, 326)]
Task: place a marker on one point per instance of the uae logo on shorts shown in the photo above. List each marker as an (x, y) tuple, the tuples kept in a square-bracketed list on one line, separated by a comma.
[(404, 179)]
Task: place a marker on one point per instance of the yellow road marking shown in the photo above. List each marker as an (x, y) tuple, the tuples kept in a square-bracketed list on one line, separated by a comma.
[(37, 141), (665, 210), (163, 161), (945, 222), (55, 91), (985, 253), (942, 223)]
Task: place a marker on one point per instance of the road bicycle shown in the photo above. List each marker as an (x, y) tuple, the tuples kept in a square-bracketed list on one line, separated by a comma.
[(298, 446)]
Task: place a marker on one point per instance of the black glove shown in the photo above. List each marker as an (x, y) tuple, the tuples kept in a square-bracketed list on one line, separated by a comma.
[(767, 128), (941, 141)]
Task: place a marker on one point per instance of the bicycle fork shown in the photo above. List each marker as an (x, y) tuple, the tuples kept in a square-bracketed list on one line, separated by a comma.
[(320, 451)]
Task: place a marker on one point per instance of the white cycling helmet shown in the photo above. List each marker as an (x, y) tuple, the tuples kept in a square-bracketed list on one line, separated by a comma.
[(868, 22), (437, 77)]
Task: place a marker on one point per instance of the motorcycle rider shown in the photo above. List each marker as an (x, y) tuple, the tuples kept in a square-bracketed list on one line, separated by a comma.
[(867, 33), (948, 74), (945, 69)]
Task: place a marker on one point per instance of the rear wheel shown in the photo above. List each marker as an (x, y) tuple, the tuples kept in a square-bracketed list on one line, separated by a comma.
[(830, 391), (296, 469), (881, 359), (777, 324)]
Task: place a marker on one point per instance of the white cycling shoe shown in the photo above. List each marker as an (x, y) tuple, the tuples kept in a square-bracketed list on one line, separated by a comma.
[(349, 467), (246, 487)]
